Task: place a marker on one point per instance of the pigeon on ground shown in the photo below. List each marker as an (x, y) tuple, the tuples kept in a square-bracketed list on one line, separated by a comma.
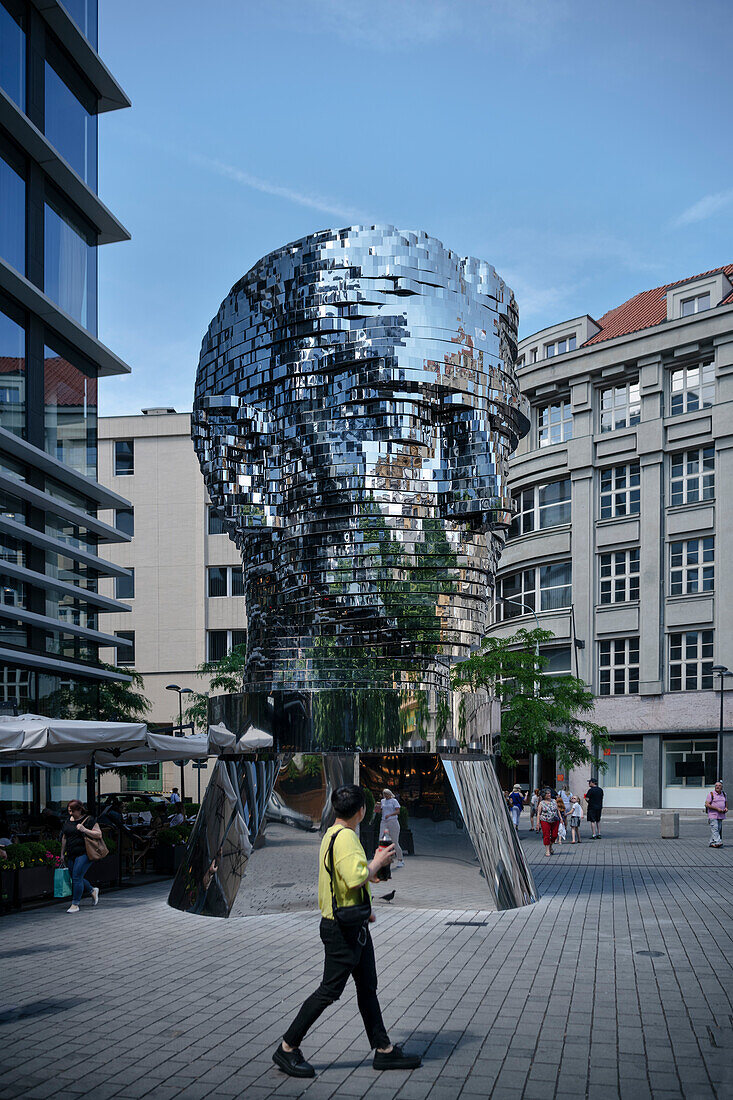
[(389, 896)]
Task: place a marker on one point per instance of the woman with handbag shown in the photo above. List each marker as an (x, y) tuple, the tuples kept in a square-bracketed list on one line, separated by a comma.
[(549, 815), (81, 844), (345, 904)]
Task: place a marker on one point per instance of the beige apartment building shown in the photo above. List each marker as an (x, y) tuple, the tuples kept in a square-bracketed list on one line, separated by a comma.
[(185, 588), (624, 522)]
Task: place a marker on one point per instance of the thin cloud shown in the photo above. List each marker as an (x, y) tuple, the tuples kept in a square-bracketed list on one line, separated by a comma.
[(707, 207)]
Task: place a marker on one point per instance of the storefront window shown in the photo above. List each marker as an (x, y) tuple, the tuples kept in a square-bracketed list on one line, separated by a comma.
[(70, 413), (70, 267), (69, 126), (625, 765), (12, 51), (12, 373), (690, 763)]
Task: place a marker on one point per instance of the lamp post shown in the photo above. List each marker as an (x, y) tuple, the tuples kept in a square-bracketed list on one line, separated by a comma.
[(722, 671), (181, 692), (535, 755)]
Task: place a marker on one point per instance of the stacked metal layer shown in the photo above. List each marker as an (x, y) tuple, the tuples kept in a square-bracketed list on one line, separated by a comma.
[(354, 411)]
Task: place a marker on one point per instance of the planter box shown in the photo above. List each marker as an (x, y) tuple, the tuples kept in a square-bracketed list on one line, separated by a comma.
[(105, 870), (8, 889), (35, 882), (168, 858)]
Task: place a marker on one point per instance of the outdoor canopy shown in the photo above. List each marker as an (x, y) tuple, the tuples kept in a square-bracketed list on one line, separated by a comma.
[(34, 739)]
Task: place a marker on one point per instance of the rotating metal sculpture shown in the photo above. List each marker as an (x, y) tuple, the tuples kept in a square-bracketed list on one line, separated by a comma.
[(354, 412)]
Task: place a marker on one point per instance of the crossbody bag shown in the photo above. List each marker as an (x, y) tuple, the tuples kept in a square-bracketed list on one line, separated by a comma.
[(351, 919)]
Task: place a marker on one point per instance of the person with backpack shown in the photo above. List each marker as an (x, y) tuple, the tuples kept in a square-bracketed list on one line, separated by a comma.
[(345, 903), (517, 802), (716, 805)]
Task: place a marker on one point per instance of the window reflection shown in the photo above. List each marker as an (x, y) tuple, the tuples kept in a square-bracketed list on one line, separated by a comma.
[(70, 128), (84, 14), (12, 374), (70, 268), (12, 51), (12, 208), (70, 413)]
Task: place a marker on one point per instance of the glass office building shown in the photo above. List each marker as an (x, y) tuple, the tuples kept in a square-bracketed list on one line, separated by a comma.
[(53, 87)]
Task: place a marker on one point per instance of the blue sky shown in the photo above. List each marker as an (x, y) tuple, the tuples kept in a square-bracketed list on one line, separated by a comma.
[(579, 147)]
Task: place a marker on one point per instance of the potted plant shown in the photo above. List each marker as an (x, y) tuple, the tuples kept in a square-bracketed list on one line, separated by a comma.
[(170, 850), (33, 864)]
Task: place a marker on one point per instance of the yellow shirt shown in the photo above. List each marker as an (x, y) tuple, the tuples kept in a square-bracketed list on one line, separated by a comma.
[(351, 870)]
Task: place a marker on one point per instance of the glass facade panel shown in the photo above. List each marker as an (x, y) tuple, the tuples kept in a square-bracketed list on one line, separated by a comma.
[(690, 763), (70, 268), (125, 521), (124, 457), (70, 413), (125, 587), (12, 51), (12, 209), (70, 128), (12, 374), (126, 654), (84, 14), (16, 790), (218, 581), (216, 523)]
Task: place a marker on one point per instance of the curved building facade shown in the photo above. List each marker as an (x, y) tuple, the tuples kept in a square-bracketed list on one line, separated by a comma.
[(621, 523)]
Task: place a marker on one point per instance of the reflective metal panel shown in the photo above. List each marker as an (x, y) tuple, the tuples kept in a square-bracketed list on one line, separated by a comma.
[(490, 827)]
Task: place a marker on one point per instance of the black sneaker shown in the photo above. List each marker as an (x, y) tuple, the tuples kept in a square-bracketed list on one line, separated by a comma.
[(292, 1062), (396, 1059)]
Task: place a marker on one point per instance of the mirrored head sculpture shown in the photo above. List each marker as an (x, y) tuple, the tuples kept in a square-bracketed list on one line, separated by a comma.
[(354, 411)]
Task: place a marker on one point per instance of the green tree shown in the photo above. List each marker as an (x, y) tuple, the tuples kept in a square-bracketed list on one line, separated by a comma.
[(227, 677), (104, 701), (539, 713)]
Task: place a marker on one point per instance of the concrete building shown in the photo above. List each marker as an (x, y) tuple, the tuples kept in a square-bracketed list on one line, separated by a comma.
[(622, 523), (53, 87), (185, 585)]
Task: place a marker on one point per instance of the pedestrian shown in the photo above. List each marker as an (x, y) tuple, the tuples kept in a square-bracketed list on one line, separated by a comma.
[(716, 805), (175, 796), (594, 797), (533, 820), (576, 816), (77, 826), (566, 799), (549, 815), (389, 808), (517, 802), (345, 903)]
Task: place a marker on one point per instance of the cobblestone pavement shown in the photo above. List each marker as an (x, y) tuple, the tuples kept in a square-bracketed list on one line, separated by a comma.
[(616, 984)]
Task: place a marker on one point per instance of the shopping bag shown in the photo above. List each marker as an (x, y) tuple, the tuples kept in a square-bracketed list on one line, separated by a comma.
[(61, 883), (562, 832)]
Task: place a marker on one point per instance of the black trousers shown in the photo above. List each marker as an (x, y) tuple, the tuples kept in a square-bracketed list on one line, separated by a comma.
[(343, 958)]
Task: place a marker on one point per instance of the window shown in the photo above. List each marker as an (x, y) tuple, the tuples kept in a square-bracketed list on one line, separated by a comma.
[(620, 406), (691, 566), (625, 765), (690, 763), (559, 347), (533, 355), (620, 576), (126, 654), (698, 303), (692, 388), (544, 588), (125, 587), (226, 580), (558, 660), (618, 667), (221, 642), (124, 457), (520, 362), (554, 423), (70, 265), (12, 371), (692, 476), (69, 125), (216, 523), (125, 521), (12, 50), (12, 206), (84, 14), (70, 413), (691, 661), (541, 507), (620, 491)]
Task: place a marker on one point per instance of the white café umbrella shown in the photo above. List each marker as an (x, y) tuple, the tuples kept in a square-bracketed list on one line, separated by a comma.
[(250, 741)]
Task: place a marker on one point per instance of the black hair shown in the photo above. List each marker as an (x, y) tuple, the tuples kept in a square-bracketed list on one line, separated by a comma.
[(347, 801)]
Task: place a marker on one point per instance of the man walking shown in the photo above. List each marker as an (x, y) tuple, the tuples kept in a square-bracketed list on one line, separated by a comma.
[(343, 877), (594, 797)]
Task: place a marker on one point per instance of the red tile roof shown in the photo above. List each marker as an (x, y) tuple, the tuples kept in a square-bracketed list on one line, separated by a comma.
[(646, 309)]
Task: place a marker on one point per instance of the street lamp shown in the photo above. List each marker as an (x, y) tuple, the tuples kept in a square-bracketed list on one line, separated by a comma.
[(526, 606), (722, 671), (181, 692)]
